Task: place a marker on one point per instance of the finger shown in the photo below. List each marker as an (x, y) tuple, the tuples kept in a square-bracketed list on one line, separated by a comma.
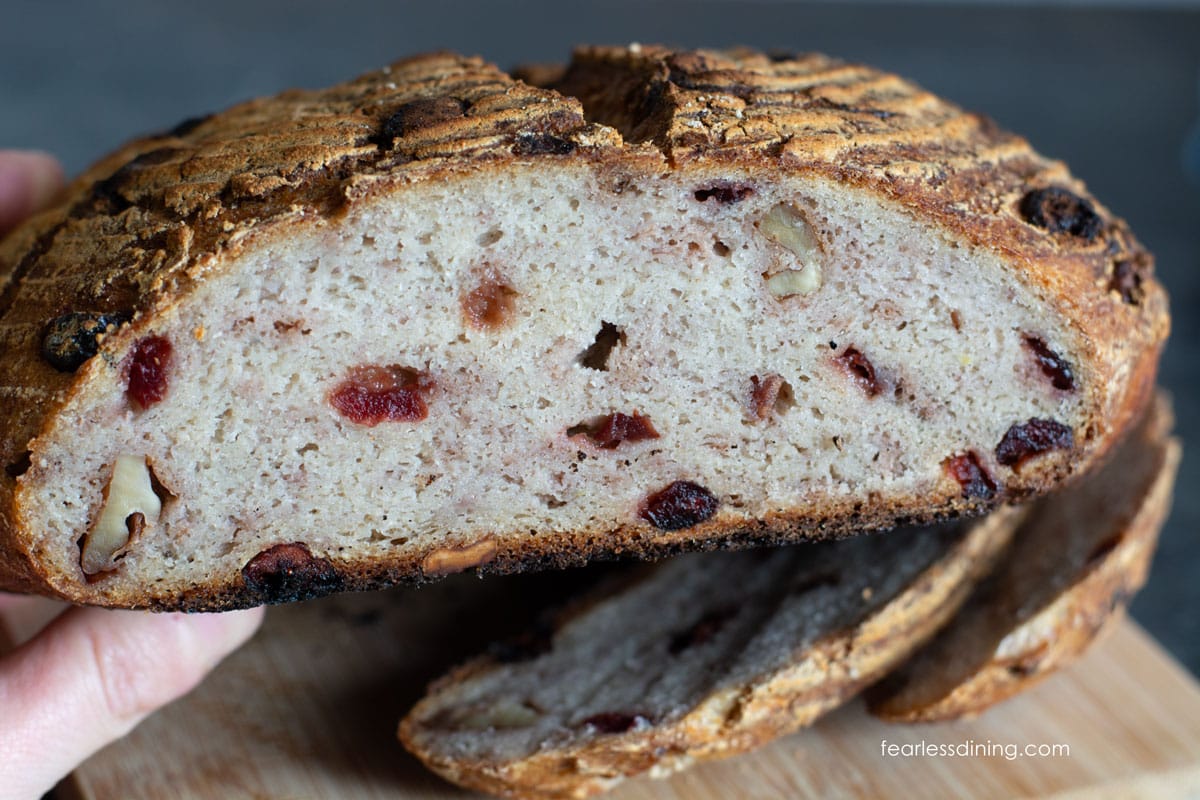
[(28, 182), (92, 675)]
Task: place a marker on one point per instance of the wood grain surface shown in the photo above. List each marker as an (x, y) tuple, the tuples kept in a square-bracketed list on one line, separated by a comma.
[(309, 709)]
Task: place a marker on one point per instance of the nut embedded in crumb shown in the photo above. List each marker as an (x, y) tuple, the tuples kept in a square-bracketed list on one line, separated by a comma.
[(447, 560), (130, 506), (787, 227)]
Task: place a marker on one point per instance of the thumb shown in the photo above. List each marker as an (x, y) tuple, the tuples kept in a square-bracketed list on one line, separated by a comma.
[(28, 182), (91, 676)]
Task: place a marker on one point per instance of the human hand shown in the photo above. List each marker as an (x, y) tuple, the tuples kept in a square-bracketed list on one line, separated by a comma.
[(92, 674)]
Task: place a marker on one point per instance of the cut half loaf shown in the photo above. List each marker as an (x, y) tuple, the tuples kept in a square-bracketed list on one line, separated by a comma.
[(436, 319), (1072, 568), (701, 656)]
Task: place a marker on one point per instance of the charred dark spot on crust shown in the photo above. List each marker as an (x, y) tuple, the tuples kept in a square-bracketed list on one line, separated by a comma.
[(780, 56), (614, 721), (678, 506), (596, 355), (1053, 366), (535, 642), (612, 429), (187, 126), (287, 572), (111, 195), (971, 475), (702, 631), (537, 144), (19, 467), (859, 367), (413, 116), (1127, 280), (72, 339), (1024, 441), (1061, 211), (724, 192)]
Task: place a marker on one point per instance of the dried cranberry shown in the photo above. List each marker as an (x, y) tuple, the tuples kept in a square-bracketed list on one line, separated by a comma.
[(1127, 281), (724, 192), (614, 721), (1034, 437), (859, 368), (1061, 211), (372, 394), (288, 572), (614, 429), (148, 370), (537, 144), (1053, 365), (971, 475), (680, 505), (489, 305), (771, 394), (73, 338)]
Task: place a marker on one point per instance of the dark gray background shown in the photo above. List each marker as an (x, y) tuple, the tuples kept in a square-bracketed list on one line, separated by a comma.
[(1113, 92)]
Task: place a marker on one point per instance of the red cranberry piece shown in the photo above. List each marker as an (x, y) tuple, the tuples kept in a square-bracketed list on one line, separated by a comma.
[(1053, 365), (616, 428), (372, 394), (770, 395), (680, 505), (286, 572), (1037, 436), (148, 371), (971, 475), (859, 368), (614, 721)]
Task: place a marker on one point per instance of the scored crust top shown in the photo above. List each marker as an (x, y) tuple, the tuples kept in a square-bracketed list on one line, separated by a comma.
[(137, 229)]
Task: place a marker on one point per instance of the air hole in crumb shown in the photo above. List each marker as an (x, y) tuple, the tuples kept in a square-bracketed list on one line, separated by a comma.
[(308, 448), (956, 320), (399, 541), (490, 237), (721, 249), (596, 356), (550, 501), (368, 241)]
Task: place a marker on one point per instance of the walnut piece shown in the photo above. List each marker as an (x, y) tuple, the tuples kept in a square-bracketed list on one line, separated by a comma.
[(788, 228), (130, 506)]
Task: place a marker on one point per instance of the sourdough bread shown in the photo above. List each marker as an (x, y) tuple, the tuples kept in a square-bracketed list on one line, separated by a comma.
[(438, 319)]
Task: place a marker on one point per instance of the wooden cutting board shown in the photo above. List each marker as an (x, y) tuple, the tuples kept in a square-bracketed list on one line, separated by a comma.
[(309, 709)]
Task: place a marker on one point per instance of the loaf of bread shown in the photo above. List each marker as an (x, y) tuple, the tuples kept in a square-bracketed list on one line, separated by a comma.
[(1072, 568), (700, 656), (437, 319), (711, 654)]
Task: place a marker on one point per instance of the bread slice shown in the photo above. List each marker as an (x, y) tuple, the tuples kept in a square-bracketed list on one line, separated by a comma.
[(436, 319), (701, 656), (1072, 568)]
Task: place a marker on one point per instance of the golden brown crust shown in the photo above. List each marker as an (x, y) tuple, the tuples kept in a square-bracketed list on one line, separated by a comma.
[(136, 231), (1047, 603)]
